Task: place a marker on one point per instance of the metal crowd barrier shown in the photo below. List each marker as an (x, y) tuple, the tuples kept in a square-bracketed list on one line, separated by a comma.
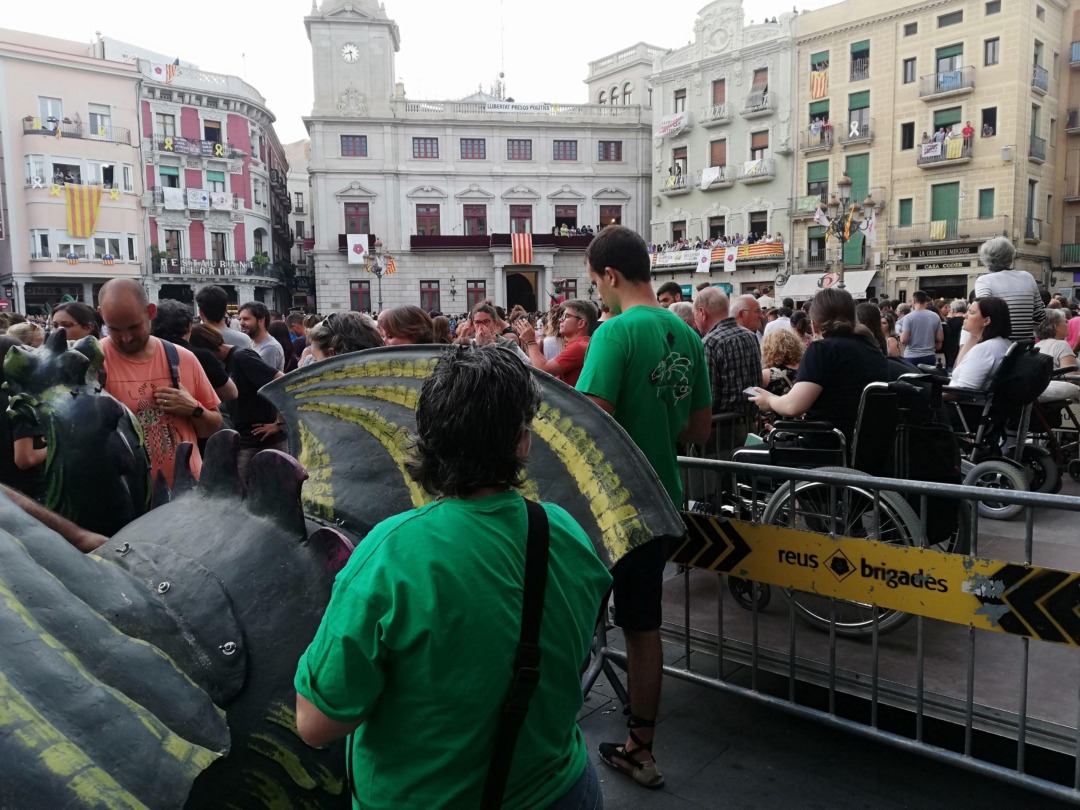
[(993, 688)]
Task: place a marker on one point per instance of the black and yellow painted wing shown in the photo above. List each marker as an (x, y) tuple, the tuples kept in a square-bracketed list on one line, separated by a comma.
[(349, 421)]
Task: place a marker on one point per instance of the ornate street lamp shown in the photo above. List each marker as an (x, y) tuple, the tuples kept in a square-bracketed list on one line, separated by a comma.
[(377, 267), (453, 289), (845, 219)]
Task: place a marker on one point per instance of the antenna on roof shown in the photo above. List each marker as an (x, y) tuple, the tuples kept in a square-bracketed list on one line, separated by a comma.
[(502, 51)]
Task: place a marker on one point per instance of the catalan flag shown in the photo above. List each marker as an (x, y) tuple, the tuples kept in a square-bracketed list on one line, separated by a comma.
[(108, 258), (521, 248), (83, 204), (170, 73), (819, 83), (391, 266), (73, 258)]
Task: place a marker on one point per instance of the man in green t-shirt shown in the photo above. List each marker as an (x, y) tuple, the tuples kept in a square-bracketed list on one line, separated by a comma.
[(415, 654), (646, 368)]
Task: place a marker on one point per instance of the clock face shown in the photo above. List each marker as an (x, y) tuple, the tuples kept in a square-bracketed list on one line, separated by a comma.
[(349, 52)]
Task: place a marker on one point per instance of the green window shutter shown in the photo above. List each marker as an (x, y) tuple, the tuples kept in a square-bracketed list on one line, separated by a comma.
[(986, 203), (853, 250), (950, 50), (819, 108), (216, 176), (859, 47), (859, 101), (858, 169), (168, 171), (816, 232), (947, 117), (905, 212), (818, 58), (817, 172), (945, 206)]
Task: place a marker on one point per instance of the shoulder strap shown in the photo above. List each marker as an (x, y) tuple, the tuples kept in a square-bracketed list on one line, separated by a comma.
[(173, 356), (527, 658)]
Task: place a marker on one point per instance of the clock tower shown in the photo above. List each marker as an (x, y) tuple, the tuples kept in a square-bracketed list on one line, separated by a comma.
[(353, 44)]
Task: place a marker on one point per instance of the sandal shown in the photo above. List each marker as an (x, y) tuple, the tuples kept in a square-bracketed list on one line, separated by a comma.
[(647, 774)]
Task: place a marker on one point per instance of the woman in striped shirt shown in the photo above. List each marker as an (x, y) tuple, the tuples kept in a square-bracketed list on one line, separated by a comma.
[(1017, 288)]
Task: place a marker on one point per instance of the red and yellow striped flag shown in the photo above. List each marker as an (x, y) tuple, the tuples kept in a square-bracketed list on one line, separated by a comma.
[(83, 204), (819, 83), (521, 247), (391, 266)]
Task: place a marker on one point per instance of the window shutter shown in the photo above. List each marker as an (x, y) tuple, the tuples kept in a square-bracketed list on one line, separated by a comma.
[(819, 108), (817, 172), (950, 50), (859, 101), (718, 153), (719, 91), (759, 140)]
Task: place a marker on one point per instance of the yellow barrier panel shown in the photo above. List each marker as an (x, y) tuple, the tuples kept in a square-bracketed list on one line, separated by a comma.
[(1022, 600)]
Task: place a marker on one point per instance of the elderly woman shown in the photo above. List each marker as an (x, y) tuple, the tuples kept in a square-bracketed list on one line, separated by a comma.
[(1017, 288), (415, 605), (781, 352), (685, 310), (1053, 334), (835, 370), (406, 325), (341, 333)]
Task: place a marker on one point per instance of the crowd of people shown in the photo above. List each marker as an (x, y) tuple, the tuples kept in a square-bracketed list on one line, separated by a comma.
[(720, 241), (662, 366)]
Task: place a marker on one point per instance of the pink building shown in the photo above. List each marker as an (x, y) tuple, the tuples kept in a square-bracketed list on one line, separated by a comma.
[(70, 186), (210, 159)]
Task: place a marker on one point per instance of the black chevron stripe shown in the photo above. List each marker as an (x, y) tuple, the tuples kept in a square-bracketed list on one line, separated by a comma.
[(1062, 607), (740, 549), (696, 540), (1009, 576), (1024, 601)]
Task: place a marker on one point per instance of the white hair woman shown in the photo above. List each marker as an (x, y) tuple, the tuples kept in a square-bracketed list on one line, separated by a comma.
[(1017, 288), (1053, 332)]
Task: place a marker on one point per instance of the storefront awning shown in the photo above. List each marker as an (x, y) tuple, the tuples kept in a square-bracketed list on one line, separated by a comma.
[(805, 285)]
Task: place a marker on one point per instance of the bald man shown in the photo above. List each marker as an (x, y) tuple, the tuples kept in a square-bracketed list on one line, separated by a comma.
[(139, 375)]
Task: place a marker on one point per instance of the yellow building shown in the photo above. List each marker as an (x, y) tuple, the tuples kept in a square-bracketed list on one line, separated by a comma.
[(887, 96)]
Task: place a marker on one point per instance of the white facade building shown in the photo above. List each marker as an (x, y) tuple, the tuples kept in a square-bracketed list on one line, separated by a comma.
[(442, 184)]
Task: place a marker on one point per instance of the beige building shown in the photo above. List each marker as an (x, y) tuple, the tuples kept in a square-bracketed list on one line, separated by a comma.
[(67, 120), (298, 154), (875, 86)]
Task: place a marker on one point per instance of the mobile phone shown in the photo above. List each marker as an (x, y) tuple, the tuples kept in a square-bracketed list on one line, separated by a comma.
[(750, 392)]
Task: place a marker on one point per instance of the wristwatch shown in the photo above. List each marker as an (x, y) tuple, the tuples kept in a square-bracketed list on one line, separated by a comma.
[(199, 411)]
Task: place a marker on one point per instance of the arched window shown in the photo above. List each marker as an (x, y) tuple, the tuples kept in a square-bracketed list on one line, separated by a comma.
[(614, 95), (626, 93), (603, 98)]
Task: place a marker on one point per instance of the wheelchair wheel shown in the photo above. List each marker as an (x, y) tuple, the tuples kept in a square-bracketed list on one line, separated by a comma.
[(847, 511), (1074, 469), (1045, 473), (743, 592), (996, 474)]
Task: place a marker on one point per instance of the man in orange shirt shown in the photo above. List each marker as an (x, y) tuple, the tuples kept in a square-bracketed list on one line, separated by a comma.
[(579, 320), (139, 375)]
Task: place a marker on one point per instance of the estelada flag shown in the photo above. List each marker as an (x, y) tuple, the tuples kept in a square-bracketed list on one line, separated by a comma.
[(521, 244), (819, 83), (83, 204)]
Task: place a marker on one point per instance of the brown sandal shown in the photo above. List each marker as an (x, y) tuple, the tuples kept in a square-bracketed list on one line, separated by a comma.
[(647, 774)]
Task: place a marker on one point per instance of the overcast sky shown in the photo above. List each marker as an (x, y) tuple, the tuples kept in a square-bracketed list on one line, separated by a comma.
[(447, 49)]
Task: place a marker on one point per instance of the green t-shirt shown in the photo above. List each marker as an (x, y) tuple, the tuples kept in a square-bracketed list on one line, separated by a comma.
[(418, 642), (650, 365)]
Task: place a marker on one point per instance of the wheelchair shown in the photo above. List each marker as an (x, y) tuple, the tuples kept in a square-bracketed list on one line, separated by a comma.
[(899, 434)]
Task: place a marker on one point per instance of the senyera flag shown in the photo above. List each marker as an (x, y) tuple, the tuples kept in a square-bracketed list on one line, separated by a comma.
[(83, 205), (521, 244)]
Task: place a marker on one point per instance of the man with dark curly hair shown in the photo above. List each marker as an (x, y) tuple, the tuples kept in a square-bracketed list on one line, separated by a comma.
[(416, 649)]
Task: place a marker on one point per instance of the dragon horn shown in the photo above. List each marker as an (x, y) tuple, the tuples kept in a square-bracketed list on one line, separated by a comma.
[(57, 341), (274, 483), (220, 471), (183, 478)]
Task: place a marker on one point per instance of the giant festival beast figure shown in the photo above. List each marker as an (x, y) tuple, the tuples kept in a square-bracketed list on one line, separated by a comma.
[(157, 671)]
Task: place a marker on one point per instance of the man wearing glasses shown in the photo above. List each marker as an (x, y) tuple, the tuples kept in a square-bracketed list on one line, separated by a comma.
[(485, 324), (578, 322)]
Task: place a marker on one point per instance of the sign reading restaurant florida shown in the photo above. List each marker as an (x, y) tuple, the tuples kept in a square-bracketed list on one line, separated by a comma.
[(205, 266)]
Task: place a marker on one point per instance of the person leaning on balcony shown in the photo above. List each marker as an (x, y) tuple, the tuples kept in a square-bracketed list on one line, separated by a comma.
[(1017, 288), (925, 137)]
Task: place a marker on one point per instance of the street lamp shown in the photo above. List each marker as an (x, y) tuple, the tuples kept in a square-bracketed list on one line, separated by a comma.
[(453, 289), (845, 219), (377, 266)]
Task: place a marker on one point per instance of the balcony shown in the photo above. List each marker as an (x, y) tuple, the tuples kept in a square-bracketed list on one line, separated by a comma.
[(452, 242), (1072, 122), (805, 207), (816, 139), (1037, 149), (852, 132), (715, 177), (758, 171), (715, 115), (1070, 254), (676, 184), (1033, 230), (545, 240), (70, 129), (758, 104), (1039, 79), (1074, 55), (860, 69), (298, 208), (947, 83), (948, 230), (950, 152), (219, 201), (196, 146), (814, 265), (509, 112), (165, 266)]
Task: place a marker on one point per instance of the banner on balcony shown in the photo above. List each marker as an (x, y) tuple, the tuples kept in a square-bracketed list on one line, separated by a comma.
[(357, 244), (173, 198), (83, 205), (731, 257), (819, 83), (752, 168), (954, 148), (672, 125), (871, 231), (220, 201), (518, 107), (521, 246), (930, 150), (198, 199), (710, 176), (704, 260)]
